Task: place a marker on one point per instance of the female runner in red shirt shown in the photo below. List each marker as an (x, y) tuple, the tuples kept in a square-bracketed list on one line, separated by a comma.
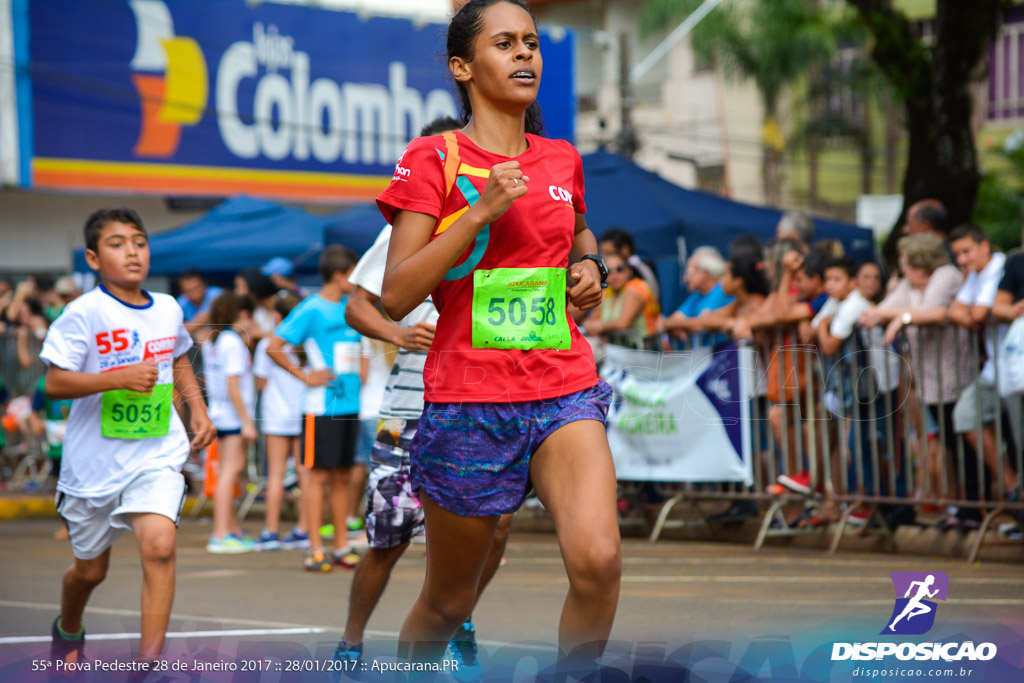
[(488, 220)]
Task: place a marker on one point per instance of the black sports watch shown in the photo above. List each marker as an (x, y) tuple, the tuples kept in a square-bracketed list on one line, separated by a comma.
[(601, 267)]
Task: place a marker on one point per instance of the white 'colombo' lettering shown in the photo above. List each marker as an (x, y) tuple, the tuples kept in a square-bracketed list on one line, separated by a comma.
[(358, 122), (949, 652), (558, 194)]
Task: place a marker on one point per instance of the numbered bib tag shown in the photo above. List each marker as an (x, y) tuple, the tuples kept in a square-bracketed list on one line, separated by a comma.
[(346, 358), (520, 308), (130, 415)]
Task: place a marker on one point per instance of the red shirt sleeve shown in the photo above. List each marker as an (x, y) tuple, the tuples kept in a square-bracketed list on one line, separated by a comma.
[(578, 187), (418, 183)]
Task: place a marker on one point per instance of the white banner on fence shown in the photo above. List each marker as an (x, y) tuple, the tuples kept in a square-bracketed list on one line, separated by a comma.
[(680, 417)]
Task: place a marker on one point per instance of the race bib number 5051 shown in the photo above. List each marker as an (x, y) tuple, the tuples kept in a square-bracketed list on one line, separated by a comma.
[(129, 415)]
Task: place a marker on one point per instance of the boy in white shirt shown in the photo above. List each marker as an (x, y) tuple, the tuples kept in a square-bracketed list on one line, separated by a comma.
[(118, 352), (971, 309), (835, 323)]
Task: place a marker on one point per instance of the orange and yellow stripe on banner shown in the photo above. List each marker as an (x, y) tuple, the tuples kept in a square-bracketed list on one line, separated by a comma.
[(152, 178)]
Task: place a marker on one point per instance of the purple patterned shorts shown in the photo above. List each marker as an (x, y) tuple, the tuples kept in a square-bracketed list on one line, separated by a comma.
[(473, 459)]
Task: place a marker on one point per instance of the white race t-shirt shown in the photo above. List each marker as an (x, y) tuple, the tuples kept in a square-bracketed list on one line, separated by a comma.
[(281, 408), (227, 357), (403, 394), (97, 333), (980, 289)]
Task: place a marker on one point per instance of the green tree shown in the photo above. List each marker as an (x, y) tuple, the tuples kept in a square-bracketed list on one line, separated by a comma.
[(1000, 204), (772, 42), (932, 78)]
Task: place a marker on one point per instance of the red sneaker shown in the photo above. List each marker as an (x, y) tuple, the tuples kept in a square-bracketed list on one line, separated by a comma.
[(799, 482), (859, 517)]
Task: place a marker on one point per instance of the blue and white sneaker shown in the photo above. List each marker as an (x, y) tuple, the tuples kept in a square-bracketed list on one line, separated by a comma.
[(229, 545), (347, 658), (297, 539), (462, 648), (268, 540)]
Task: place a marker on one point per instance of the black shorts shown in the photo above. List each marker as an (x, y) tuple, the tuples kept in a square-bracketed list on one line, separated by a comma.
[(329, 441)]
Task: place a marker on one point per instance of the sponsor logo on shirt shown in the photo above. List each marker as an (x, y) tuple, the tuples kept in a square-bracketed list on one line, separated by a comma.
[(118, 348), (160, 350), (401, 172), (559, 194)]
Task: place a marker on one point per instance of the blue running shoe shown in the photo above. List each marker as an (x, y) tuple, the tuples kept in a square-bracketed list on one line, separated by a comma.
[(462, 648), (346, 662), (268, 540), (297, 539)]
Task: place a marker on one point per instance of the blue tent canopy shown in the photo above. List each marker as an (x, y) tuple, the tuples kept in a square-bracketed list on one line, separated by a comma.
[(659, 213), (238, 233), (354, 228)]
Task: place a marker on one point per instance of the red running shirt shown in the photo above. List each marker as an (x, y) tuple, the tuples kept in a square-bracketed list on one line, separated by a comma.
[(537, 231)]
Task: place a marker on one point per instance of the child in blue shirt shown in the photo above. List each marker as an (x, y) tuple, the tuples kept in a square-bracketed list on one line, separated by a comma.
[(331, 423)]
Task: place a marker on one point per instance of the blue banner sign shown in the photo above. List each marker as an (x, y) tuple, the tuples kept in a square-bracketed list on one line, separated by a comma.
[(220, 97)]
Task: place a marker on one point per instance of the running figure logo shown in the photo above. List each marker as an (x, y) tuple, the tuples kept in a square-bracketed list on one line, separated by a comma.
[(914, 613)]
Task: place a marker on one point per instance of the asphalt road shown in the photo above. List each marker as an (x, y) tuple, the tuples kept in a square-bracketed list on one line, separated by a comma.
[(262, 605)]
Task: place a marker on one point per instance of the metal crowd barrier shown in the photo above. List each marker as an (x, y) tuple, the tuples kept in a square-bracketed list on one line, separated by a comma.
[(872, 425), (20, 381), (25, 461)]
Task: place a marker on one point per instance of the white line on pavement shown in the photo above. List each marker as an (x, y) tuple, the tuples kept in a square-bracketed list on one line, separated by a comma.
[(136, 613), (285, 628), (238, 633)]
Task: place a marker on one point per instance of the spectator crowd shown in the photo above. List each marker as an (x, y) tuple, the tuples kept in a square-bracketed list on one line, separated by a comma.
[(258, 355)]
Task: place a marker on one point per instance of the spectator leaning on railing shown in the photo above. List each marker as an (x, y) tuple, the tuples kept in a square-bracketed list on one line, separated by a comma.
[(971, 309), (620, 241), (1009, 306), (800, 296), (869, 280), (796, 225), (744, 280), (870, 394), (937, 355), (704, 271), (628, 306), (924, 216), (1009, 301)]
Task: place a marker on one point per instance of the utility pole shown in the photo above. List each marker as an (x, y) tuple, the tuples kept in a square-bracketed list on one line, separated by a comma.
[(627, 141)]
